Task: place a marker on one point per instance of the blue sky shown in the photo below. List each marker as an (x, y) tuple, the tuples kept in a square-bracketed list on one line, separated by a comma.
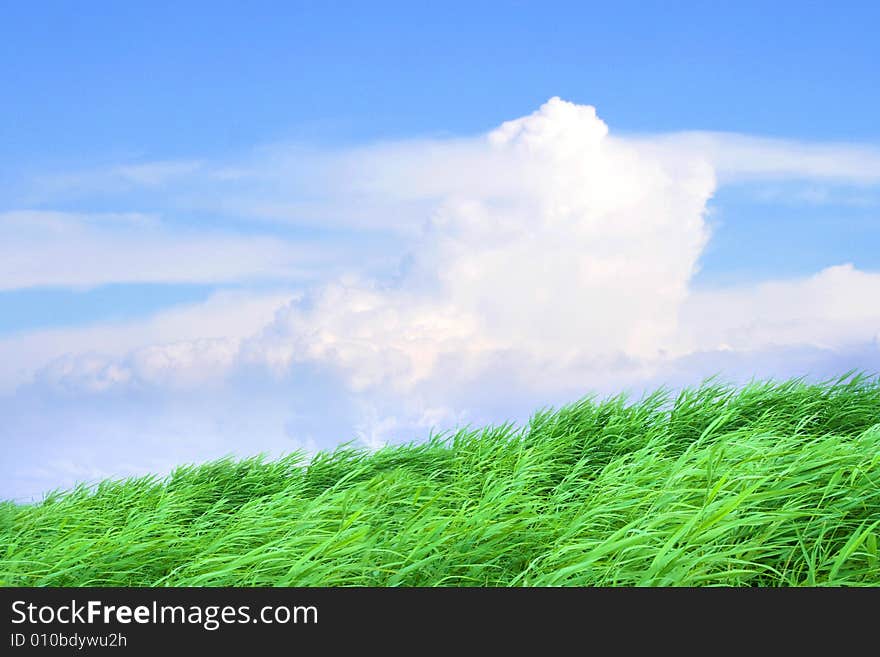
[(156, 80), (199, 201)]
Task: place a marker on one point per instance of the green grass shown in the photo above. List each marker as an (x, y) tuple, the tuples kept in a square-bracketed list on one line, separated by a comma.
[(774, 484)]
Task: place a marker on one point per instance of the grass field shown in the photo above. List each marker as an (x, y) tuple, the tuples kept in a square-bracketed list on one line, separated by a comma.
[(774, 484)]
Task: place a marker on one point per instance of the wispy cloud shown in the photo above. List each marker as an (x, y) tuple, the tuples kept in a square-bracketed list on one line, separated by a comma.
[(738, 158), (39, 248), (115, 178), (394, 185)]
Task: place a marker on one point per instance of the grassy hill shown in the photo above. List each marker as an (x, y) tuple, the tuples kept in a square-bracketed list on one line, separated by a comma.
[(774, 484)]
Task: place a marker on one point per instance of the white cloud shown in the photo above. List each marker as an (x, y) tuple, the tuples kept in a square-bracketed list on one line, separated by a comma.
[(119, 177), (187, 343), (80, 250), (175, 365), (741, 158), (815, 194), (576, 245), (830, 309)]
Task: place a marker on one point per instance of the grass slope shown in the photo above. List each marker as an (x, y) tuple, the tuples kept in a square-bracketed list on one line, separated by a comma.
[(775, 484)]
